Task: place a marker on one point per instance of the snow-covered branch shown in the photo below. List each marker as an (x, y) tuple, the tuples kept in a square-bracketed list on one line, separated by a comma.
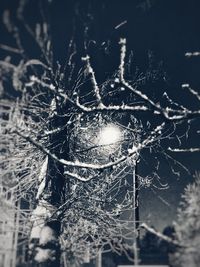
[(159, 235), (191, 149)]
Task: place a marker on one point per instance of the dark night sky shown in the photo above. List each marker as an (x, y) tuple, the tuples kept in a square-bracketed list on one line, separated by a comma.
[(168, 28)]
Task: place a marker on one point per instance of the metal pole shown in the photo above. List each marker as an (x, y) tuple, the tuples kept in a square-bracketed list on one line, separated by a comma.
[(135, 217)]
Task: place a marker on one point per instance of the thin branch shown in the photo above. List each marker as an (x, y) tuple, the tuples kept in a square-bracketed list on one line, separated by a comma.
[(176, 114), (192, 54), (160, 235), (10, 49), (93, 79), (191, 150), (192, 91)]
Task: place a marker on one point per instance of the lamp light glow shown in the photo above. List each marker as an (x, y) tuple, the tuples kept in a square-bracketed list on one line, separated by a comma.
[(109, 135)]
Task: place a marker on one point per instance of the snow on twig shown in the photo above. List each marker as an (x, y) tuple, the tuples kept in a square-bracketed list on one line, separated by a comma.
[(160, 235), (191, 150)]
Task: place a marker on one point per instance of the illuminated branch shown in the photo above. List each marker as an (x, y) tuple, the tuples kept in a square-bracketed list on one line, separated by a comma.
[(134, 151)]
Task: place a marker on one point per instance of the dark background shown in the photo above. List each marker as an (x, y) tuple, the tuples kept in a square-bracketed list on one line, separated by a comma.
[(164, 29)]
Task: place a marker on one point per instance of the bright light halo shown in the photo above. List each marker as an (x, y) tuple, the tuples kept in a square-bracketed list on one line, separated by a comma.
[(109, 135)]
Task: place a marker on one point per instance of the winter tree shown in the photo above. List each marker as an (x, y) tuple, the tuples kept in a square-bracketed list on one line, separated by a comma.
[(71, 142), (188, 228)]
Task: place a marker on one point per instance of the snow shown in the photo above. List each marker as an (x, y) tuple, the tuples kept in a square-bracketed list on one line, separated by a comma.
[(43, 255), (47, 234), (41, 212)]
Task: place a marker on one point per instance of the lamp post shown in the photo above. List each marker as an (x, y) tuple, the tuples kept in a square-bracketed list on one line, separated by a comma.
[(109, 136), (135, 216), (110, 140)]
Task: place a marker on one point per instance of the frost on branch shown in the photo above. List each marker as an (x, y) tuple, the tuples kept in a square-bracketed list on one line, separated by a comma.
[(188, 228), (78, 185)]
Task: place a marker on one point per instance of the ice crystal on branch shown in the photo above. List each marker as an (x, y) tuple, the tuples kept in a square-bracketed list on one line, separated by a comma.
[(71, 141)]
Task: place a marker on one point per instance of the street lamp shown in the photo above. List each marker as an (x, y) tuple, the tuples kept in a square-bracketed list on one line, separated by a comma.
[(108, 141), (110, 135)]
